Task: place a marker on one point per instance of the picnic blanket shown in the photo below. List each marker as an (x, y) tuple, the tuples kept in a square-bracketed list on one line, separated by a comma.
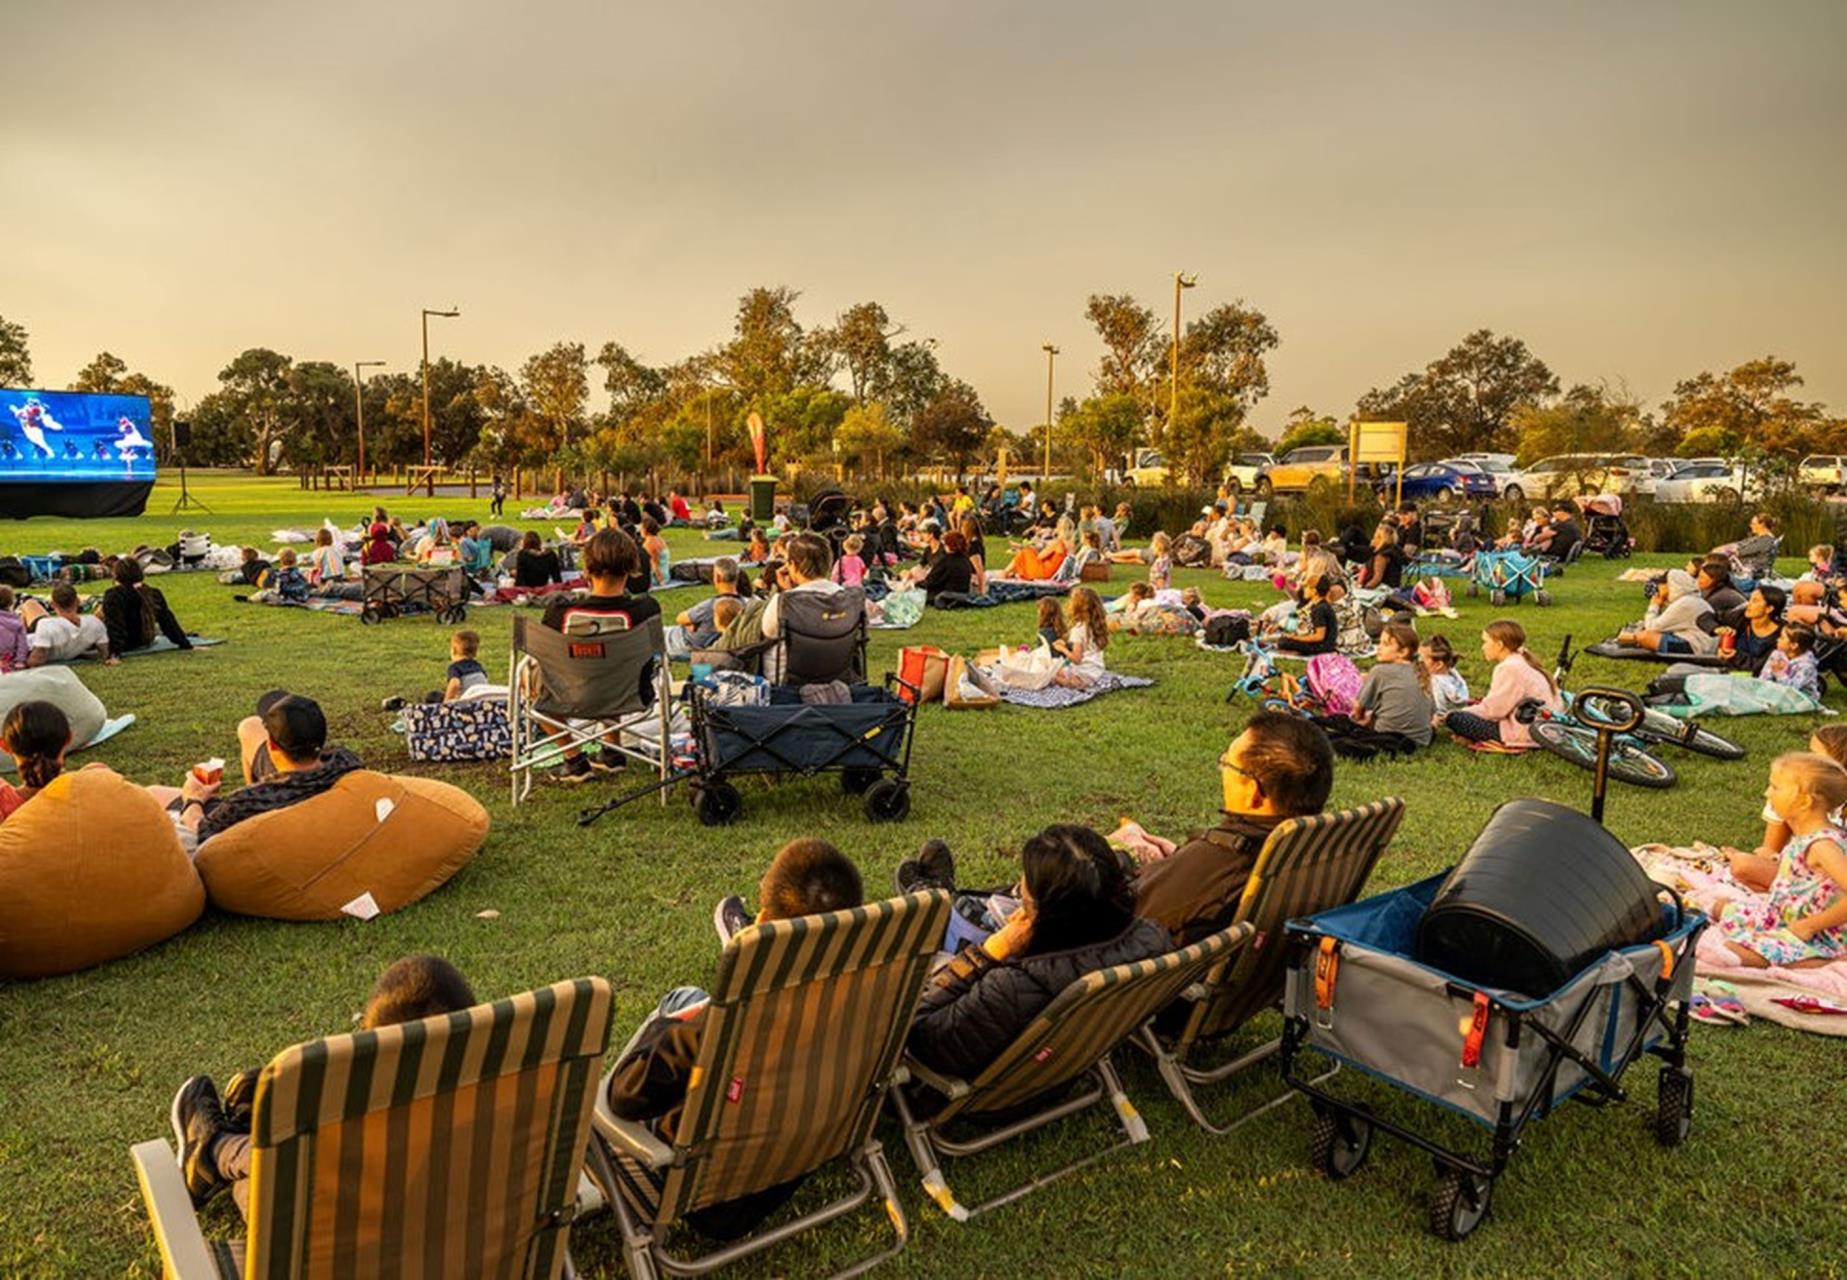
[(111, 727), (1716, 693), (1610, 649), (1055, 697), (1013, 590), (161, 645)]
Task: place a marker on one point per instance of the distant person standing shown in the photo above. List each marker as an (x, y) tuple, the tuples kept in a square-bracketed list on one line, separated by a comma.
[(499, 496)]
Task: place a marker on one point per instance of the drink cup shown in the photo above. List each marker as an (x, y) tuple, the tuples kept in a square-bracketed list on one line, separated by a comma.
[(210, 771)]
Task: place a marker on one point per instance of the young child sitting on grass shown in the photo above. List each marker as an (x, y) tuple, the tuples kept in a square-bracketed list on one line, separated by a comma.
[(284, 581), (465, 672), (1793, 662), (850, 569), (214, 1133), (1084, 642), (1160, 561), (1448, 690), (1051, 621), (1801, 922), (1394, 700)]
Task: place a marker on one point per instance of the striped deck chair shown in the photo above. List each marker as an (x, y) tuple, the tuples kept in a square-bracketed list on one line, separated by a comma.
[(797, 1051), (1307, 865), (1072, 1037), (449, 1146)]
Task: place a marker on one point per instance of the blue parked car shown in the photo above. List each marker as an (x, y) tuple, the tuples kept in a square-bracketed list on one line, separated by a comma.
[(1445, 482)]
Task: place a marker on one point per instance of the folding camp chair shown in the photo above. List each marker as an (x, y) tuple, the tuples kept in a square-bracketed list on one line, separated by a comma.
[(796, 1054), (1073, 1036), (584, 685), (449, 1146), (822, 638), (1306, 866)]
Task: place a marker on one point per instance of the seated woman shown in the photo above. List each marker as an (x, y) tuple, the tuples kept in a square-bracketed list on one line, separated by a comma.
[(1755, 639), (1032, 563), (533, 565), (949, 571), (970, 529), (1675, 621), (36, 735), (757, 550), (134, 613), (1076, 916), (1754, 556), (1517, 678), (1384, 565)]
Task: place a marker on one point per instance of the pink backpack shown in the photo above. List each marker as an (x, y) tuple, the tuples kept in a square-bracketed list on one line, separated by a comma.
[(1335, 681)]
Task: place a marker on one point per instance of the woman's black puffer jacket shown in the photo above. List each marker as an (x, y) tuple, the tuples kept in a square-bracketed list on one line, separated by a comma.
[(975, 1006)]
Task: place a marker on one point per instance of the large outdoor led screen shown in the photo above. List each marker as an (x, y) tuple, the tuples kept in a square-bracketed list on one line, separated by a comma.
[(51, 436)]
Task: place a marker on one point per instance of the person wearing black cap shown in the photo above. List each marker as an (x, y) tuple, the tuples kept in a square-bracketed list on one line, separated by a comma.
[(292, 763)]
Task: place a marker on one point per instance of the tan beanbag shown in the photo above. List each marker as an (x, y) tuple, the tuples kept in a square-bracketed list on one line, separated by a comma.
[(390, 837), (90, 869)]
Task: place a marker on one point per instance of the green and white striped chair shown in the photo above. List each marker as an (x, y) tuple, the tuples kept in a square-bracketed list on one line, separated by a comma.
[(1072, 1037), (797, 1052), (1307, 865), (449, 1146)]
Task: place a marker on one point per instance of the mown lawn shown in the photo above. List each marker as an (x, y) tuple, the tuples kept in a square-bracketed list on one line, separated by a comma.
[(88, 1062)]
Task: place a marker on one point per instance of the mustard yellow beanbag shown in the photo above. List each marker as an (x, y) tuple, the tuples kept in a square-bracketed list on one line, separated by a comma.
[(370, 845), (90, 870)]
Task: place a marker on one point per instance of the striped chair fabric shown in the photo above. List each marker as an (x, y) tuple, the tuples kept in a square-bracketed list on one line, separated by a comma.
[(803, 1034), (1083, 1023), (1307, 865), (448, 1146)]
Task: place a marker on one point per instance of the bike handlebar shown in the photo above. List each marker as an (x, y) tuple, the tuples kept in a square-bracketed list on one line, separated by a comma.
[(1617, 710)]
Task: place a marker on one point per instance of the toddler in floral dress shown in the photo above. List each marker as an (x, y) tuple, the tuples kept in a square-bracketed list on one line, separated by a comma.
[(1802, 921)]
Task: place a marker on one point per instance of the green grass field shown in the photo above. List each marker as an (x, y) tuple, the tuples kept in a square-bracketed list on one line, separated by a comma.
[(89, 1062)]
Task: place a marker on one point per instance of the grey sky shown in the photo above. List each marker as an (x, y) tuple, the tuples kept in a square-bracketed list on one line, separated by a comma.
[(1640, 190)]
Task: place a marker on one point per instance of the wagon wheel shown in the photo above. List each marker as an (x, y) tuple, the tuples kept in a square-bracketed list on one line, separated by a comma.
[(855, 781), (1497, 597), (1542, 597), (718, 804), (888, 800), (1339, 1142), (456, 614), (371, 616), (1673, 1106), (1474, 589), (1459, 1203)]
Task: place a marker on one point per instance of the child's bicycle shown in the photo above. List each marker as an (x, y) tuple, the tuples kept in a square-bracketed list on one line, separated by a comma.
[(1656, 726), (1261, 680), (1326, 686)]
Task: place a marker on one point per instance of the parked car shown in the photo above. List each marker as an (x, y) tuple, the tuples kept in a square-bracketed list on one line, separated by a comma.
[(1311, 466), (1443, 481), (1823, 473), (1570, 475), (1712, 480), (1509, 480), (1246, 469), (1150, 469)]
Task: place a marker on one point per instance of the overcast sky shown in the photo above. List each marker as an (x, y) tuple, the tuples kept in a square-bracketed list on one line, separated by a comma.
[(1640, 190)]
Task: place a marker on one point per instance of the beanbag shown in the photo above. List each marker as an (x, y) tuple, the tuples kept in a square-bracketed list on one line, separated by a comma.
[(371, 844), (61, 687), (90, 870)]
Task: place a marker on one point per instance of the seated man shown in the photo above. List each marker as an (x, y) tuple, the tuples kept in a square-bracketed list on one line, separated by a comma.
[(610, 561), (655, 1068), (286, 760), (1563, 534), (1280, 767), (695, 627), (63, 633), (809, 569), (214, 1135)]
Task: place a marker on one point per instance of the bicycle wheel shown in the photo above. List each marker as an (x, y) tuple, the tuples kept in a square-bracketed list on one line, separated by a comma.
[(1578, 744), (1660, 728)]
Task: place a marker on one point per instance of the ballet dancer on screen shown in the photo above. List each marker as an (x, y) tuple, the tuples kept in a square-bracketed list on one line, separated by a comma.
[(34, 422)]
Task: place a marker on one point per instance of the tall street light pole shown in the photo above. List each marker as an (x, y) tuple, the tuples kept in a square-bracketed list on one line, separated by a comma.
[(359, 406), (1181, 281), (451, 313), (1051, 354)]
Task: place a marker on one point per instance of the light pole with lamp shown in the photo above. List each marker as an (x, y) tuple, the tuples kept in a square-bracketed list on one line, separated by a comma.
[(451, 313), (1051, 354), (1181, 281), (359, 407)]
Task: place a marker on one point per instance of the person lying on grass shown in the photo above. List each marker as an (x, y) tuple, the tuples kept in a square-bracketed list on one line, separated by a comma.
[(64, 633), (213, 1133), (1677, 621), (655, 1068)]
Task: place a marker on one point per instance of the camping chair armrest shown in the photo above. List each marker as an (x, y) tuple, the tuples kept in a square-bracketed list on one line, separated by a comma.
[(632, 1138), (1194, 992), (949, 1086), (183, 1251)]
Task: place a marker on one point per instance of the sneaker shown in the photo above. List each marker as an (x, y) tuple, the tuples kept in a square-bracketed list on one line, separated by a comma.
[(574, 769), (198, 1123), (938, 863), (608, 760), (729, 916), (240, 1098), (392, 703)]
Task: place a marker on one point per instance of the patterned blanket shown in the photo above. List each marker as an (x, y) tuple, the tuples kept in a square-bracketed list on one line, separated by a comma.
[(1055, 697)]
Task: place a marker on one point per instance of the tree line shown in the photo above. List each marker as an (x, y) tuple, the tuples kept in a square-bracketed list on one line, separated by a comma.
[(861, 393)]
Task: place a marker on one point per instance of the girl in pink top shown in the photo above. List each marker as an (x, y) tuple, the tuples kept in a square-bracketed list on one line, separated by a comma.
[(850, 569), (1517, 678)]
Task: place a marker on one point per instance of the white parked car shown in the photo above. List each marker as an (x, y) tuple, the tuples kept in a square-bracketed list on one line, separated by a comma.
[(1823, 472), (1246, 469), (1707, 481)]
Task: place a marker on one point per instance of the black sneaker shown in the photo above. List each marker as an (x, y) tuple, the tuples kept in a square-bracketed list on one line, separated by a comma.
[(240, 1099), (198, 1123), (608, 760), (393, 703), (728, 917), (574, 769), (937, 862)]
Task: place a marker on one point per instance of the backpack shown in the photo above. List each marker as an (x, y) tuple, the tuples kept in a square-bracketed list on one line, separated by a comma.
[(14, 573), (1334, 679), (1192, 552), (1224, 630)]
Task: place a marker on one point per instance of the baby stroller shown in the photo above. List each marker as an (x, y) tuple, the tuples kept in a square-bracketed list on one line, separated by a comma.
[(1509, 574), (1605, 533)]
